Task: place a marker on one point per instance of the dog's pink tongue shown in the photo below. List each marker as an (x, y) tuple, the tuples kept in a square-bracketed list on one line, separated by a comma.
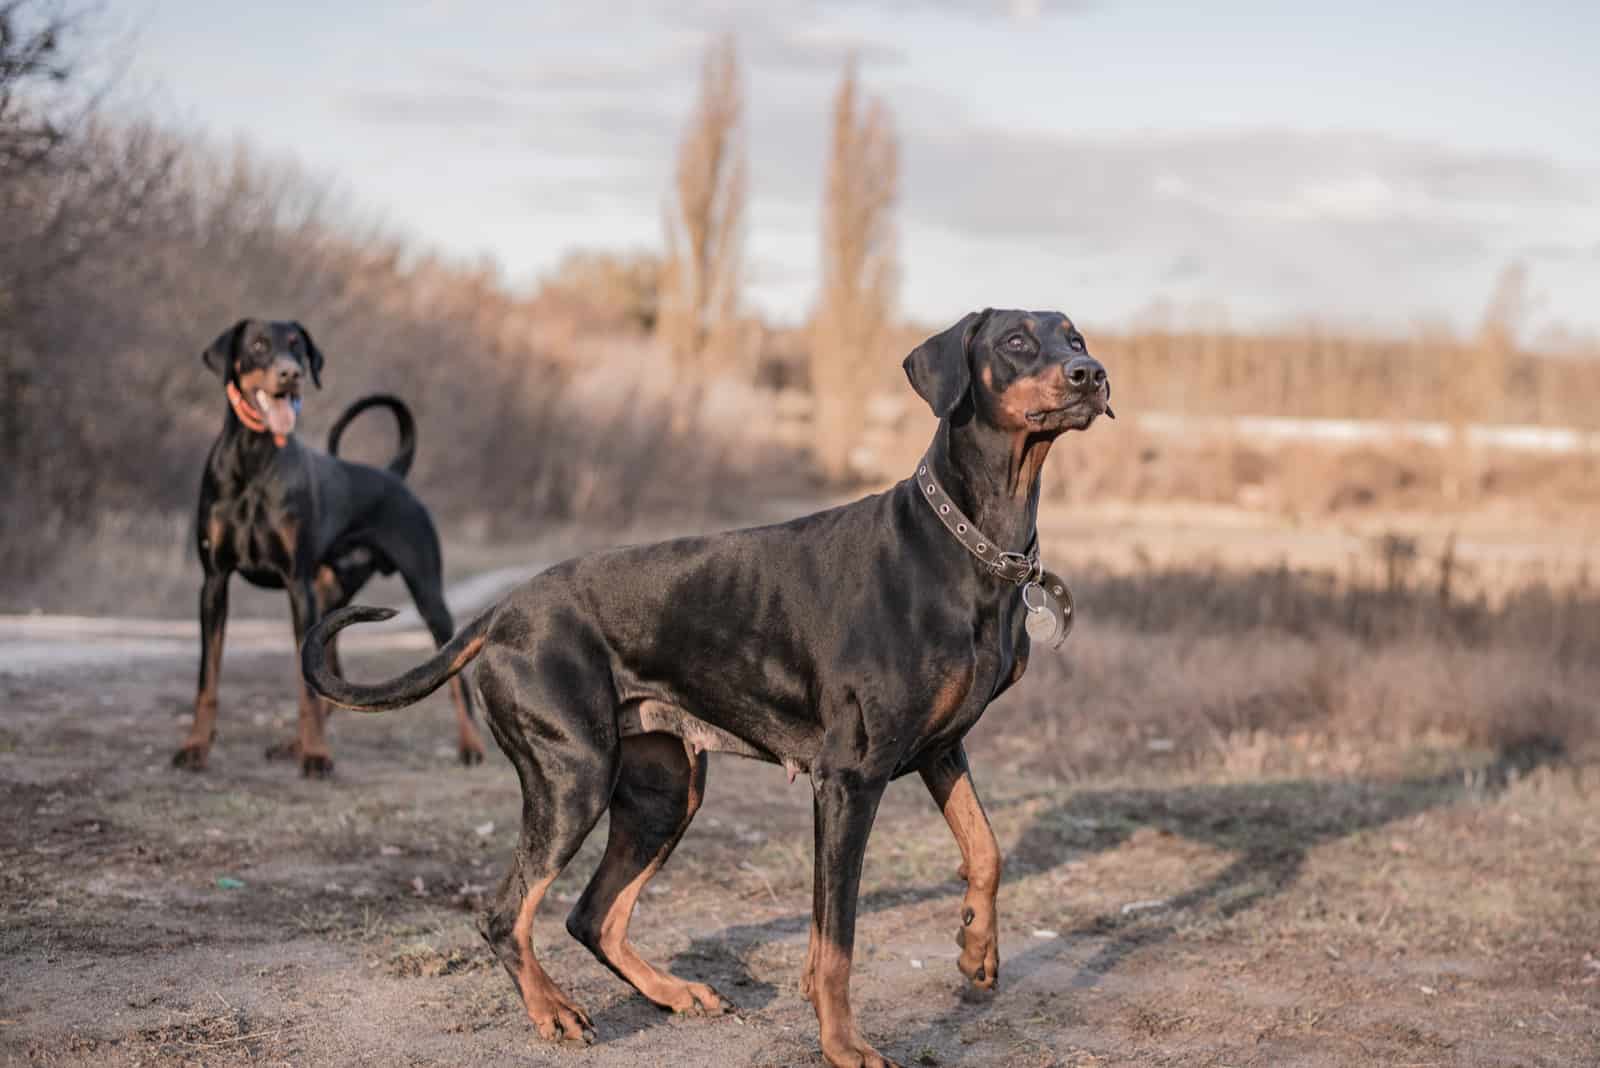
[(279, 411)]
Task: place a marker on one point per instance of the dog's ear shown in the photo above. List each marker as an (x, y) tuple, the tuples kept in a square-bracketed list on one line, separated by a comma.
[(219, 356), (938, 368), (313, 355)]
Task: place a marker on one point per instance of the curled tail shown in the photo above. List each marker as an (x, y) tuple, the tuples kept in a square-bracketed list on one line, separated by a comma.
[(398, 692), (401, 462)]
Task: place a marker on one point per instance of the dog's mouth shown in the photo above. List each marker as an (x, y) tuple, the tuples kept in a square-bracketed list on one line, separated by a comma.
[(281, 410), (1081, 412)]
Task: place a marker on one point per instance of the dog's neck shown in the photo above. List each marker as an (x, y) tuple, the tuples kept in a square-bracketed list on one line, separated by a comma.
[(246, 446), (992, 475)]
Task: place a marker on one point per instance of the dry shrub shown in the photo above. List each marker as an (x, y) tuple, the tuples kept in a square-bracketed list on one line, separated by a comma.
[(1283, 671)]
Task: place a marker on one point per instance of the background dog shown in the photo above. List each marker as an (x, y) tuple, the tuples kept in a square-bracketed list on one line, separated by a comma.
[(287, 516)]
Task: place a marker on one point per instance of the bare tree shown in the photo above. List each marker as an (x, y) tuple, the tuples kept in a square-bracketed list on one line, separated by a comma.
[(30, 63), (860, 272), (1480, 386), (698, 318)]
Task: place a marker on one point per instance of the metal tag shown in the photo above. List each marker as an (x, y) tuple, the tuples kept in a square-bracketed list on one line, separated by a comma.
[(1050, 614)]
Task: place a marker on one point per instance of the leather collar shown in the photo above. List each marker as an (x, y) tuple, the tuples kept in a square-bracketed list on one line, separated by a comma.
[(1018, 568), (1044, 594)]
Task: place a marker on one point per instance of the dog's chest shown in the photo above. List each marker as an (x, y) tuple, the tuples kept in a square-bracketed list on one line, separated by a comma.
[(958, 690), (252, 533)]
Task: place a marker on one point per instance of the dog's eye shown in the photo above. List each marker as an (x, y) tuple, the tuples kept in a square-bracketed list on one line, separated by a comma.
[(1016, 342), (259, 345), (294, 344), (1076, 344)]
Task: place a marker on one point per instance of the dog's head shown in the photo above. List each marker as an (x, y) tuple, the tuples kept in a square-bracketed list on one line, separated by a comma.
[(1019, 371), (266, 363)]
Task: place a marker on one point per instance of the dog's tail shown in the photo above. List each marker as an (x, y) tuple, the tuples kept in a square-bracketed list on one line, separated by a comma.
[(401, 463), (398, 692)]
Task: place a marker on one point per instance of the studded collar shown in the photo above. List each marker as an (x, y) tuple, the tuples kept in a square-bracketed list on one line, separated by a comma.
[(1044, 594), (1018, 568)]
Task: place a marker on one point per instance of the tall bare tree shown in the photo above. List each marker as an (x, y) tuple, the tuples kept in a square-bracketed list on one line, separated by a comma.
[(1479, 383), (860, 272), (698, 319), (30, 58)]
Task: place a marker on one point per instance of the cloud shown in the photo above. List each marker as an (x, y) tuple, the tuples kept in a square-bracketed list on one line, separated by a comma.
[(816, 51), (1560, 251), (636, 79), (1265, 217), (420, 107), (596, 73), (1342, 223), (1186, 267), (1100, 185), (1276, 197), (1021, 10)]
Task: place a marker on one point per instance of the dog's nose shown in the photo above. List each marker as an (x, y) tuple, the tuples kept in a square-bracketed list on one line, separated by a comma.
[(288, 374), (1085, 373)]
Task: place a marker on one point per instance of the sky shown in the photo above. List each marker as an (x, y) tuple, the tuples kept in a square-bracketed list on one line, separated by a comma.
[(1371, 166)]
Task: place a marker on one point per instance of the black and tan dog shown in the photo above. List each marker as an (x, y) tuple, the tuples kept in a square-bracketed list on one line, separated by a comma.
[(286, 516), (856, 644)]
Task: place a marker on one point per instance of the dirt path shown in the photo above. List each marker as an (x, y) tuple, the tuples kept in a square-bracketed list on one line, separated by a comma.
[(244, 915), (43, 644)]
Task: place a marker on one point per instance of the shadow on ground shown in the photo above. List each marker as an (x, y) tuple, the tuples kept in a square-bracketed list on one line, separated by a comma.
[(1270, 827)]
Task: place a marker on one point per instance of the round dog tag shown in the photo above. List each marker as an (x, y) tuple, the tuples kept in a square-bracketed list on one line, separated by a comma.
[(1049, 605), (1043, 626)]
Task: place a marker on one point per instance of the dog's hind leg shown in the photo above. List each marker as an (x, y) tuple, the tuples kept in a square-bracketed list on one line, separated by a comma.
[(658, 791), (213, 622), (564, 747), (331, 587), (333, 592), (421, 569)]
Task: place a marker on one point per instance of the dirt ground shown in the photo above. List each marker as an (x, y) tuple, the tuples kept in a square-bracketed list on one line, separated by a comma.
[(1443, 912)]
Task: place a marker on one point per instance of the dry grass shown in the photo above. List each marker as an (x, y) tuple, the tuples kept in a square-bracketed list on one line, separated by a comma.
[(1334, 371), (1316, 482), (1284, 672)]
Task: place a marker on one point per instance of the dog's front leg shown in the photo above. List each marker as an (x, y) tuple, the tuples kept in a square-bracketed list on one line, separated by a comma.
[(315, 760), (213, 621), (844, 802), (949, 780)]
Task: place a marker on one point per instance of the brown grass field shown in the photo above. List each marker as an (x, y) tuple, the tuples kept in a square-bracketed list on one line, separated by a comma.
[(1250, 816)]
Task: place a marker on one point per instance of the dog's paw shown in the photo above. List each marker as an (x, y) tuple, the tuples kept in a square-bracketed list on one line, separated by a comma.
[(856, 1053), (471, 755), (563, 1022), (191, 757), (980, 955), (316, 766), (704, 1001)]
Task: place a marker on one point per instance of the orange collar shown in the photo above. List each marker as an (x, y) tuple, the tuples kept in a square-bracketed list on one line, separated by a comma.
[(249, 416)]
